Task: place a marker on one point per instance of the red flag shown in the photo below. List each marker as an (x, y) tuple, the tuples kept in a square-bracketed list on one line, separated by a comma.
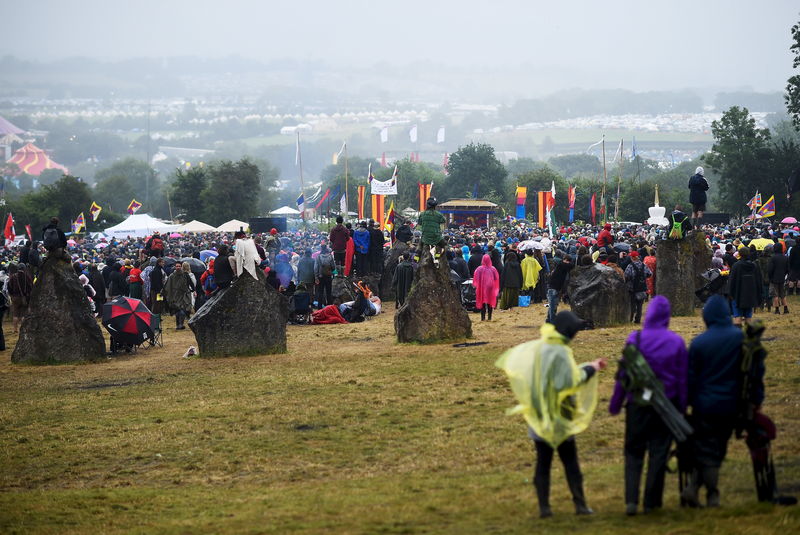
[(383, 160), (29, 231), (593, 208), (362, 191), (9, 233), (322, 200)]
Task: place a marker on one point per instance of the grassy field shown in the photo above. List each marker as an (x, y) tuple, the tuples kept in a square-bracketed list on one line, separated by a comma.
[(347, 433)]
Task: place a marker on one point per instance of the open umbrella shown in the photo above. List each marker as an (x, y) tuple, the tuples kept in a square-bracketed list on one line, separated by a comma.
[(128, 320), (789, 220), (761, 243), (790, 232), (622, 246), (176, 235), (71, 242), (208, 253), (101, 245), (195, 264)]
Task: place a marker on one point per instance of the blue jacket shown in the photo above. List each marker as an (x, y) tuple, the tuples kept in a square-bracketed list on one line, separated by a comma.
[(714, 361), (361, 240)]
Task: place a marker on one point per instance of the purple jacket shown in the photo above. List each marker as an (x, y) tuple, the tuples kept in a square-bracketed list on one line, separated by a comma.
[(666, 353)]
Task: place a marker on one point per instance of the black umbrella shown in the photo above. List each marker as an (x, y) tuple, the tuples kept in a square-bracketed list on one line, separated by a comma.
[(622, 247), (128, 320), (195, 265)]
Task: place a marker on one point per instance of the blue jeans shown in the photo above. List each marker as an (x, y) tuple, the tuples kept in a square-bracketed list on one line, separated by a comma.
[(552, 304)]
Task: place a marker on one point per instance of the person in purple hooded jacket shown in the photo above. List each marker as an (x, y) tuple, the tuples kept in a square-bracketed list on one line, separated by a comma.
[(645, 431)]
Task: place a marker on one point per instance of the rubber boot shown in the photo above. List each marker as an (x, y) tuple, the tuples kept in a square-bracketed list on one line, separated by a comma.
[(785, 309), (179, 320), (777, 310), (692, 489), (483, 313), (542, 486), (633, 476), (575, 483), (711, 479), (490, 313)]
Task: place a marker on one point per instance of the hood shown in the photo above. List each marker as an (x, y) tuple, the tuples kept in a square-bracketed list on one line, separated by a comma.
[(717, 313), (699, 171), (658, 313), (607, 226), (567, 324), (486, 261)]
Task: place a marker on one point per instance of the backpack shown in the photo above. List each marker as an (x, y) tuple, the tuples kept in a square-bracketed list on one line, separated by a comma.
[(677, 229), (325, 269), (51, 239), (210, 283), (156, 244), (638, 284)]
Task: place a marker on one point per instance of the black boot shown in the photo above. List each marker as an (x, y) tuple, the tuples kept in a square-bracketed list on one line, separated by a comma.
[(483, 313), (633, 476), (690, 493), (777, 310), (490, 313), (711, 479), (542, 486), (575, 483), (785, 309)]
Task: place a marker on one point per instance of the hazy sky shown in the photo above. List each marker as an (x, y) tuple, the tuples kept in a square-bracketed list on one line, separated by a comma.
[(632, 44)]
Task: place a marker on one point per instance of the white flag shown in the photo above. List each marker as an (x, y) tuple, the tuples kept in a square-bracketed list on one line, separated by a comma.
[(343, 205), (336, 156), (440, 135), (617, 154), (297, 150), (412, 134), (595, 144), (384, 134)]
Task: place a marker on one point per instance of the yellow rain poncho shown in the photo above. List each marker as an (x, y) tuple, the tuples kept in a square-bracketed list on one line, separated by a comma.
[(554, 396), (530, 272)]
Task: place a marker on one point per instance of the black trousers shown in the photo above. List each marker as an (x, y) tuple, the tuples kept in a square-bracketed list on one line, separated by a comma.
[(324, 291), (636, 308), (645, 432), (709, 443), (338, 258), (568, 452), (362, 264)]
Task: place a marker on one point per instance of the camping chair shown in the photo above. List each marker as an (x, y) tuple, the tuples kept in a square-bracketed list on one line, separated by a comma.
[(157, 339), (300, 308)]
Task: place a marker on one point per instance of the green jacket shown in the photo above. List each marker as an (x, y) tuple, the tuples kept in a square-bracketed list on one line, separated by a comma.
[(430, 225)]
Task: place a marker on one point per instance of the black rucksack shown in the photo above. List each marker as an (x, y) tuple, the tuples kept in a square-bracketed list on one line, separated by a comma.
[(51, 239)]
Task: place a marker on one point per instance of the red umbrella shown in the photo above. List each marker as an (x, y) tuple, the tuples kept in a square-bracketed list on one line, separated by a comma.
[(128, 320)]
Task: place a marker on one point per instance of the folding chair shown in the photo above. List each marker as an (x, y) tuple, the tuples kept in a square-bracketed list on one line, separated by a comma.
[(300, 308), (155, 324)]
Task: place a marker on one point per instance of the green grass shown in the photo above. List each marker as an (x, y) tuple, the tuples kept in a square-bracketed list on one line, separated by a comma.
[(347, 433)]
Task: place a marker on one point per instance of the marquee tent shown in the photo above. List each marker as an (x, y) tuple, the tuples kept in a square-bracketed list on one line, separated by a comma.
[(139, 226), (6, 127), (285, 211), (33, 160), (195, 226), (232, 226)]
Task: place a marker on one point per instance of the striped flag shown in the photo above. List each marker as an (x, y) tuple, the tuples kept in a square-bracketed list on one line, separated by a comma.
[(768, 210), (755, 202), (301, 203), (424, 195), (134, 206), (79, 223), (388, 224), (95, 210), (322, 200), (362, 192), (571, 200)]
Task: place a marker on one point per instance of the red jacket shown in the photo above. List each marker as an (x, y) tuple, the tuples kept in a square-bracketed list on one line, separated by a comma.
[(605, 238)]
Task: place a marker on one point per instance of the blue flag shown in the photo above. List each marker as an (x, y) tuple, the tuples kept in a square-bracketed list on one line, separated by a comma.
[(301, 203), (475, 191)]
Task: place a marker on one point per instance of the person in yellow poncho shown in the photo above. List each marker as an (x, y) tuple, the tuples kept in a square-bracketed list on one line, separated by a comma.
[(530, 271), (557, 399)]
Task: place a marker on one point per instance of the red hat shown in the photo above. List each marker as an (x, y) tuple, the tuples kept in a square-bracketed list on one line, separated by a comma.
[(607, 226), (634, 254), (273, 231)]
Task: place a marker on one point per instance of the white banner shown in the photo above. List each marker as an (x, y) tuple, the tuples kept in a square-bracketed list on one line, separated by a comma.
[(412, 134), (440, 135), (384, 134), (389, 187)]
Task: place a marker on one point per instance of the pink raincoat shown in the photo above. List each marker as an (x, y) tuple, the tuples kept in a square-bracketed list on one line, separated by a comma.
[(487, 283)]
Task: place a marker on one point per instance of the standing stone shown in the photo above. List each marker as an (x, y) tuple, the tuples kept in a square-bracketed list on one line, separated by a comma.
[(432, 312), (598, 294), (59, 326), (343, 287), (390, 262), (249, 318), (679, 268)]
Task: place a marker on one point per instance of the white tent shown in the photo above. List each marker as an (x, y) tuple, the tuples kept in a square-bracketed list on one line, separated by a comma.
[(232, 226), (285, 210), (139, 225), (195, 226)]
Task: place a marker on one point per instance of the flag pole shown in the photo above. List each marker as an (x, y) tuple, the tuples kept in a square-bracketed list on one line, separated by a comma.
[(619, 178), (300, 163), (346, 194), (605, 178)]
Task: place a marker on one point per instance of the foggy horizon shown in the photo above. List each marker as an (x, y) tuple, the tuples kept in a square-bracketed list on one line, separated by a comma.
[(542, 48)]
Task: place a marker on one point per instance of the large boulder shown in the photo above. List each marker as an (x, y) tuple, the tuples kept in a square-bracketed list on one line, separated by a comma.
[(59, 326), (597, 293), (432, 312), (390, 261), (249, 318), (343, 287), (679, 268)]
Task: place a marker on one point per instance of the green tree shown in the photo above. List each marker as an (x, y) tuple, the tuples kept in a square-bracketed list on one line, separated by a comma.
[(793, 84), (232, 192), (185, 193), (269, 176), (50, 176), (741, 155), (65, 199), (114, 193), (140, 176), (520, 166), (475, 164)]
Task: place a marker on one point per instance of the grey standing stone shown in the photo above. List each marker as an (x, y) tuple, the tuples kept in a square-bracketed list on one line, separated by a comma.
[(432, 312), (679, 268), (597, 293), (59, 326), (390, 261), (248, 318)]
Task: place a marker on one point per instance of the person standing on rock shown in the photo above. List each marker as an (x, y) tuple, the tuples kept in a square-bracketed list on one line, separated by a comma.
[(338, 237), (557, 398), (224, 268), (431, 224), (246, 255), (698, 186), (54, 240)]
